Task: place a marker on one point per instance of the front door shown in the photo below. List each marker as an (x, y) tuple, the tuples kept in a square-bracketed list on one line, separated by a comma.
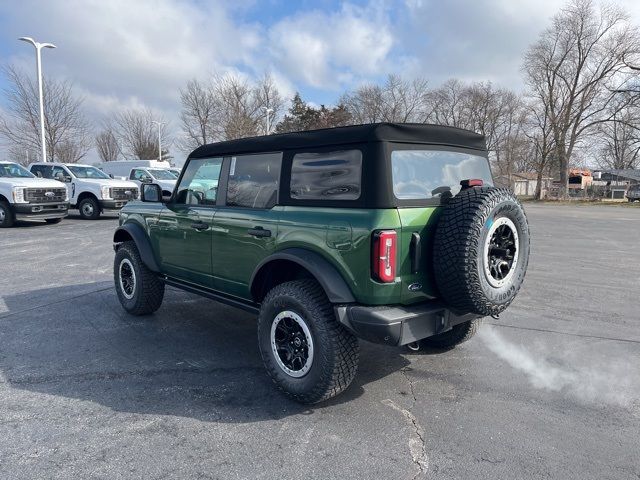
[(183, 233), (245, 228)]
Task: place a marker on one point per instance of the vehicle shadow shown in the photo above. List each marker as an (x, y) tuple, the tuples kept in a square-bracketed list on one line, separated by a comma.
[(75, 216), (193, 358)]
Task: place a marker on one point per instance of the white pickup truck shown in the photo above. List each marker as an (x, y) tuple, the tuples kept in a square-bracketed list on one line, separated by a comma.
[(90, 190), (23, 196), (162, 177)]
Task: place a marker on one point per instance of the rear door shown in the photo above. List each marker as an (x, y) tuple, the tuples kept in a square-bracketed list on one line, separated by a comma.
[(183, 234), (246, 226), (423, 180)]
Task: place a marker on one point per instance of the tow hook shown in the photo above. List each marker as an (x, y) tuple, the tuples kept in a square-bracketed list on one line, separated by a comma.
[(495, 317), (413, 346)]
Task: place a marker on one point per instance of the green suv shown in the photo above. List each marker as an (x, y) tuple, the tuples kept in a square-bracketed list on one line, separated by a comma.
[(392, 233)]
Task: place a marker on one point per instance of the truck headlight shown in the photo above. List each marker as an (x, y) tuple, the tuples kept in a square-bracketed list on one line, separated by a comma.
[(105, 192), (18, 195), (66, 195)]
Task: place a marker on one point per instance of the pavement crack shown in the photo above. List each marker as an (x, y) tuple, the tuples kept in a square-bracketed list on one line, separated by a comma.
[(417, 444)]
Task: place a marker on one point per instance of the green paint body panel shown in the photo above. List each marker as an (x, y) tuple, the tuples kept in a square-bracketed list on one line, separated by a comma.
[(224, 256)]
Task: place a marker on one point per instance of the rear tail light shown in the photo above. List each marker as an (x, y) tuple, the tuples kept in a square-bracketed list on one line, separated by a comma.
[(384, 255), (471, 182)]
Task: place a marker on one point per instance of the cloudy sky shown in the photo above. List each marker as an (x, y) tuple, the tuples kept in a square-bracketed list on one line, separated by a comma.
[(128, 53)]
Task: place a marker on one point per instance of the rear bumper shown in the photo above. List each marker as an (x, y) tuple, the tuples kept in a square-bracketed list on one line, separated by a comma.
[(399, 324), (41, 211)]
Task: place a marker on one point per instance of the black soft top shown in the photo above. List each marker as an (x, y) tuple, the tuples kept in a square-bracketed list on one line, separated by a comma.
[(418, 133)]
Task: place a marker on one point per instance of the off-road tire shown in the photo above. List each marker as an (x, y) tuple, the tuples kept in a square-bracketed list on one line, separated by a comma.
[(8, 218), (336, 351), (53, 221), (458, 334), (148, 290), (459, 260), (95, 208)]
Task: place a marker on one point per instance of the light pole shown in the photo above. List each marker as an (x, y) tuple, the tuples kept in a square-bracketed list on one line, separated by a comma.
[(268, 111), (38, 47), (159, 138)]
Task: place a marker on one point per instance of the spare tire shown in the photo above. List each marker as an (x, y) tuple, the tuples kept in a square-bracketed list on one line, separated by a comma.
[(481, 250)]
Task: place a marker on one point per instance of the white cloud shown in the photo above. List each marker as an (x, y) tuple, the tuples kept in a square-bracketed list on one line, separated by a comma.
[(331, 49)]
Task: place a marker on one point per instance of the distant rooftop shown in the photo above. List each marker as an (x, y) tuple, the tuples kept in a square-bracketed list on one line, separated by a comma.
[(631, 173)]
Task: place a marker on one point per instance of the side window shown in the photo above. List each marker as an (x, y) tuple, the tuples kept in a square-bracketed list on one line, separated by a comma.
[(59, 172), (199, 185), (254, 180), (326, 176), (41, 171)]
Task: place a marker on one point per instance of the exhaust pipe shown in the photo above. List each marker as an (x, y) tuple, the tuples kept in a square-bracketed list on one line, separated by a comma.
[(413, 346)]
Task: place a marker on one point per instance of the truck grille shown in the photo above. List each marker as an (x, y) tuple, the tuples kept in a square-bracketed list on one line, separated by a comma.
[(124, 193), (45, 195)]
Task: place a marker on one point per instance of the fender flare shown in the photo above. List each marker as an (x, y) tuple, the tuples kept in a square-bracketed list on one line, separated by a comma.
[(140, 238), (326, 274)]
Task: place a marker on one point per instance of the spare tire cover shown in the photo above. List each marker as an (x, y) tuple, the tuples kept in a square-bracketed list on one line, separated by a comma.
[(481, 250)]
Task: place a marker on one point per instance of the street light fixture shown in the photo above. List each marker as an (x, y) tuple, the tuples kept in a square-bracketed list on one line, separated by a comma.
[(268, 111), (159, 138), (38, 47)]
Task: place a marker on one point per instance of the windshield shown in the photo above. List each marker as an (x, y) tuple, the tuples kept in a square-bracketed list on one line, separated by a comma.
[(425, 174), (159, 174), (87, 172), (13, 170)]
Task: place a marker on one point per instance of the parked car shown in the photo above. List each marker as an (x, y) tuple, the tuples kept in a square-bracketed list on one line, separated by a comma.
[(633, 193), (392, 233), (159, 176), (122, 168), (90, 190), (23, 196)]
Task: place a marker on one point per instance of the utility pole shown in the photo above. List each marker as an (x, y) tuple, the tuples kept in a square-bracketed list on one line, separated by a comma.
[(268, 112), (39, 47), (159, 138)]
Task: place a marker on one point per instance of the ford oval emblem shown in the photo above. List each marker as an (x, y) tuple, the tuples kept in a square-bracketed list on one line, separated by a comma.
[(127, 192), (49, 194), (415, 287)]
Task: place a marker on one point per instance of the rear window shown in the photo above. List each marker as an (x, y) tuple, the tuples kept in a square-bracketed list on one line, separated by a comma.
[(326, 176), (427, 174)]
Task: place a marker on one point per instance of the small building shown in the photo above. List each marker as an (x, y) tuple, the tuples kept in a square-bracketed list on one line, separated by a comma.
[(616, 182), (524, 184), (627, 176), (579, 179)]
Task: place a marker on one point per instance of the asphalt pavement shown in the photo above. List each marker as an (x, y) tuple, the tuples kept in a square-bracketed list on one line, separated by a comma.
[(551, 389)]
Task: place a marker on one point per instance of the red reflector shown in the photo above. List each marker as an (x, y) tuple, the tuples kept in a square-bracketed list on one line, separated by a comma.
[(472, 182), (384, 255)]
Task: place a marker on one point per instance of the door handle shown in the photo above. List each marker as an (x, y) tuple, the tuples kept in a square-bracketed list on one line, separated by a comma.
[(259, 232), (199, 226)]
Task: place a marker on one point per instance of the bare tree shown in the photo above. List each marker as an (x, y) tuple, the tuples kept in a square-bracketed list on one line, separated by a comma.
[(228, 107), (107, 144), (66, 128), (497, 113), (570, 70), (137, 135), (397, 100), (199, 115), (619, 139), (448, 105)]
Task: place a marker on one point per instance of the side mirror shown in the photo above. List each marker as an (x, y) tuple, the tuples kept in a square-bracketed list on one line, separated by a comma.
[(151, 192), (145, 179), (111, 175)]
